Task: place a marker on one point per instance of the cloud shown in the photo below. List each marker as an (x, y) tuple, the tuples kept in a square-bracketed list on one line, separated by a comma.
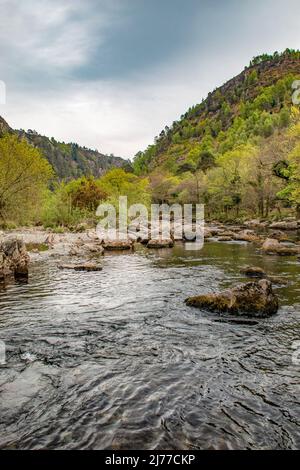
[(111, 74)]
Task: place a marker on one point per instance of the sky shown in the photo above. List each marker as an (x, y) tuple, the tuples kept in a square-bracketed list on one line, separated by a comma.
[(111, 74)]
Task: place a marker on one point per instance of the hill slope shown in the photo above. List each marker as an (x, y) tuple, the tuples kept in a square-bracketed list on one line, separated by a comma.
[(239, 119), (68, 160)]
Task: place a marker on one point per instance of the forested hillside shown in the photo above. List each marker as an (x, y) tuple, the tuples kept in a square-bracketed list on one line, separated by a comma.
[(68, 160), (239, 150)]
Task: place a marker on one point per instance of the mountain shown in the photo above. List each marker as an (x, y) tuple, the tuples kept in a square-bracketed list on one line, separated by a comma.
[(4, 127), (69, 160), (254, 103)]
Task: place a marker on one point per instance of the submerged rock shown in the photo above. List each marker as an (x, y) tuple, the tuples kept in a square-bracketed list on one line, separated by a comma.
[(279, 280), (81, 267), (253, 271), (14, 259), (254, 299)]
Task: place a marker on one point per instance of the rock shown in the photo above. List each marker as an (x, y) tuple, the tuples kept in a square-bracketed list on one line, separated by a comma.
[(81, 249), (253, 271), (279, 235), (215, 231), (81, 267), (278, 280), (74, 251), (253, 223), (246, 236), (118, 245), (94, 248), (227, 233), (166, 243), (285, 225), (207, 233), (51, 239), (288, 251), (224, 239), (254, 299), (14, 259), (272, 246)]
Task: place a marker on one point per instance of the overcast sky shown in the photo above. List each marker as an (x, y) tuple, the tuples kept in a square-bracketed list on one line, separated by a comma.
[(110, 74)]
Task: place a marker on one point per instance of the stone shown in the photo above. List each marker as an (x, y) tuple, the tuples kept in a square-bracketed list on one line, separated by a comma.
[(207, 233), (272, 246), (253, 299), (226, 233), (246, 236), (285, 225), (165, 243), (253, 271), (118, 245), (81, 267), (14, 259), (278, 280)]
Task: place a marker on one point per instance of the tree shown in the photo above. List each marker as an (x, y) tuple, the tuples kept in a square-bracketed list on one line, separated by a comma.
[(85, 193), (24, 175), (164, 187), (118, 182), (290, 171), (206, 161)]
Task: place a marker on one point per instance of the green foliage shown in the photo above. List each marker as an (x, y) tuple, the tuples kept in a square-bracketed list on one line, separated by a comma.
[(69, 160), (117, 182), (85, 193), (195, 158), (290, 171), (58, 211), (294, 54), (24, 175)]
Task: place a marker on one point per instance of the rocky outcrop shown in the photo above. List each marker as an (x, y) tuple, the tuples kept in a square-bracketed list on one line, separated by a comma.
[(14, 259), (254, 299)]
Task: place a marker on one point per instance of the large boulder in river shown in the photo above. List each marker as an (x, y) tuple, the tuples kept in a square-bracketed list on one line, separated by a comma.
[(273, 246), (14, 259), (253, 299)]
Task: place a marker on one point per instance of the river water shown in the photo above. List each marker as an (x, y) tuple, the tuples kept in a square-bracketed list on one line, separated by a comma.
[(116, 360)]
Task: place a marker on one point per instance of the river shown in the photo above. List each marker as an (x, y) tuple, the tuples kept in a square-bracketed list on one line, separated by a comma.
[(116, 360)]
